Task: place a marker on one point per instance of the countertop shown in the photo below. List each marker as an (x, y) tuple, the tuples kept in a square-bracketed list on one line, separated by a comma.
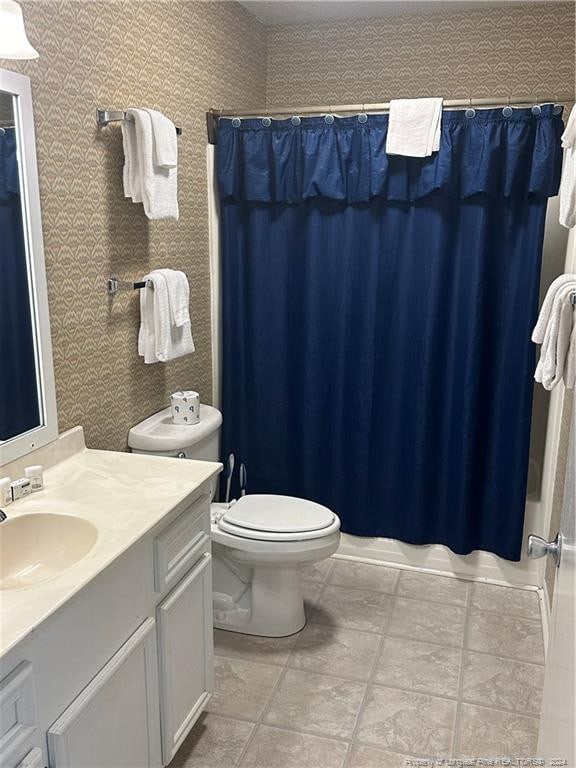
[(124, 495)]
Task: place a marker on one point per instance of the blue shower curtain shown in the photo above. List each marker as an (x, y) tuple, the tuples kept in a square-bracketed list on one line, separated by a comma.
[(19, 410), (377, 314)]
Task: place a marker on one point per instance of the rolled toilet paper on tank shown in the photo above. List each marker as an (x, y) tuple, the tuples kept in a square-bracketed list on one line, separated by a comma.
[(185, 407)]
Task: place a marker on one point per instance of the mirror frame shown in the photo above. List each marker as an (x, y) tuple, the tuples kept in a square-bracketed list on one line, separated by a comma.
[(19, 86)]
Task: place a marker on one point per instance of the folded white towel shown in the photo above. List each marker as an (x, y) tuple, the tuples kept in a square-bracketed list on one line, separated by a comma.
[(178, 296), (558, 352), (568, 180), (165, 140), (146, 338), (131, 172), (414, 127), (158, 186), (160, 339)]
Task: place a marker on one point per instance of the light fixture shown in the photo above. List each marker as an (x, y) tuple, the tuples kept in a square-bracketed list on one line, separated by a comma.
[(14, 43)]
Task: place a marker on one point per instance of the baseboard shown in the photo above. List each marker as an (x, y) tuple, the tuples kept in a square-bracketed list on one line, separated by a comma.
[(479, 566)]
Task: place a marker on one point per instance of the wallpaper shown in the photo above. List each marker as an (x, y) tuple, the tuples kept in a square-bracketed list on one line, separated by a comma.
[(180, 57), (517, 50), (183, 56)]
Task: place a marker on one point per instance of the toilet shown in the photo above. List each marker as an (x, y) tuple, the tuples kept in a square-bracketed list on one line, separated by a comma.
[(260, 543)]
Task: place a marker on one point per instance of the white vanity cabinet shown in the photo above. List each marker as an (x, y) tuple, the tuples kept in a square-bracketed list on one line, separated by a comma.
[(124, 669), (115, 720)]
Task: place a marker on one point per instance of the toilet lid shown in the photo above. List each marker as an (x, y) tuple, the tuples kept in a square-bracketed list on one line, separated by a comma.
[(278, 514)]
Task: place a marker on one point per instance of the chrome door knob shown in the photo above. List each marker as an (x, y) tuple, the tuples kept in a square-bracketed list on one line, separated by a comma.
[(539, 547)]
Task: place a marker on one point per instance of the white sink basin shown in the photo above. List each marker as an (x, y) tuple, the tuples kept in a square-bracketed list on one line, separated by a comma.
[(37, 547)]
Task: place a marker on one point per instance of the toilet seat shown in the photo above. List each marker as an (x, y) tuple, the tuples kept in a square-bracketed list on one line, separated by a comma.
[(268, 517)]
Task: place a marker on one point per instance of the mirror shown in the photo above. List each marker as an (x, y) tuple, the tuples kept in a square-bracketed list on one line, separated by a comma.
[(27, 393)]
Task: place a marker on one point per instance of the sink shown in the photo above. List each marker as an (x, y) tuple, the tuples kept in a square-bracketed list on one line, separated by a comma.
[(37, 547)]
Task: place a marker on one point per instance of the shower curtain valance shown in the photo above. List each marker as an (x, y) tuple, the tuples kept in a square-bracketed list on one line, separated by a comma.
[(489, 154)]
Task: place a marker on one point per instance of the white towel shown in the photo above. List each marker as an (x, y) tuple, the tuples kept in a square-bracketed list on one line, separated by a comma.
[(544, 317), (558, 352), (131, 172), (146, 338), (159, 338), (158, 186), (165, 140), (570, 370), (414, 127), (178, 296), (568, 180), (550, 368)]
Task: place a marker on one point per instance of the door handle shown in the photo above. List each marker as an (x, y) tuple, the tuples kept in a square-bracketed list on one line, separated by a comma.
[(539, 547)]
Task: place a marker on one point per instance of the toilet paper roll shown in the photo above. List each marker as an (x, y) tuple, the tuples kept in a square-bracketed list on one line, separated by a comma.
[(185, 407)]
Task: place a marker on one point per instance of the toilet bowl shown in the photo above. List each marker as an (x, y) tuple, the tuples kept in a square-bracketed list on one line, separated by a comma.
[(260, 543)]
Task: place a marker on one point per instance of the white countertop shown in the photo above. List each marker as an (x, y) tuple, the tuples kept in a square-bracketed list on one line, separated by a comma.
[(124, 495)]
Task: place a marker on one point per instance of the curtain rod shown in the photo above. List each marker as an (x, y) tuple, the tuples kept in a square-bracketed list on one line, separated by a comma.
[(213, 114)]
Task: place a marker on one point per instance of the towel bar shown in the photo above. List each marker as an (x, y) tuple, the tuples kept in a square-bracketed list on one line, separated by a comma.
[(106, 116), (115, 285)]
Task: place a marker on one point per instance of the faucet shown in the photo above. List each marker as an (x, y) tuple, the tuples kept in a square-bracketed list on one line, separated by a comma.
[(2, 516)]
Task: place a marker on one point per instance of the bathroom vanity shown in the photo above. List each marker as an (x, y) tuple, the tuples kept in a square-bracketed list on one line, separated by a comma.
[(106, 634)]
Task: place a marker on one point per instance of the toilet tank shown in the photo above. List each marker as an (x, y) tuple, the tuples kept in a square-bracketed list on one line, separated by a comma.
[(159, 436)]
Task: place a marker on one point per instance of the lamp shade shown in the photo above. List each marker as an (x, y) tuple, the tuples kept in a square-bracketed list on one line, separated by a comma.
[(14, 43)]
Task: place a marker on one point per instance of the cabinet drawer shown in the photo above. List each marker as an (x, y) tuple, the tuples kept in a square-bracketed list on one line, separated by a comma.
[(182, 543)]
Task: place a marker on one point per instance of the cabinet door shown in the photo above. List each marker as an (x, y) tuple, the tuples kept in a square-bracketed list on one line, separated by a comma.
[(185, 653), (114, 722)]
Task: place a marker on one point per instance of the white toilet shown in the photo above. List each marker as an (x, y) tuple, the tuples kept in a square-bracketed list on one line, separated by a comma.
[(260, 542)]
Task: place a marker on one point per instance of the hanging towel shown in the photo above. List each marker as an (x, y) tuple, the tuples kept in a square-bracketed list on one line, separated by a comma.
[(146, 338), (165, 140), (414, 127), (158, 186), (543, 319), (550, 368), (555, 331), (178, 296), (570, 371), (131, 172), (568, 180), (159, 338)]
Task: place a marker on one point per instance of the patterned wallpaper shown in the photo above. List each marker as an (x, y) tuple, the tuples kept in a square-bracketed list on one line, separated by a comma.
[(517, 50), (180, 57)]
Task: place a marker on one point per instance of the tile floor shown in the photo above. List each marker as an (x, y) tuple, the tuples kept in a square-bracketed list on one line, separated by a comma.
[(392, 666)]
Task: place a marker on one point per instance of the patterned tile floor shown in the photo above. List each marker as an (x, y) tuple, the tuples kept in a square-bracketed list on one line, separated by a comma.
[(393, 665)]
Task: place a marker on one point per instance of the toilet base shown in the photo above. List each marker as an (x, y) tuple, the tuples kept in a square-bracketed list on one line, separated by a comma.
[(272, 605)]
